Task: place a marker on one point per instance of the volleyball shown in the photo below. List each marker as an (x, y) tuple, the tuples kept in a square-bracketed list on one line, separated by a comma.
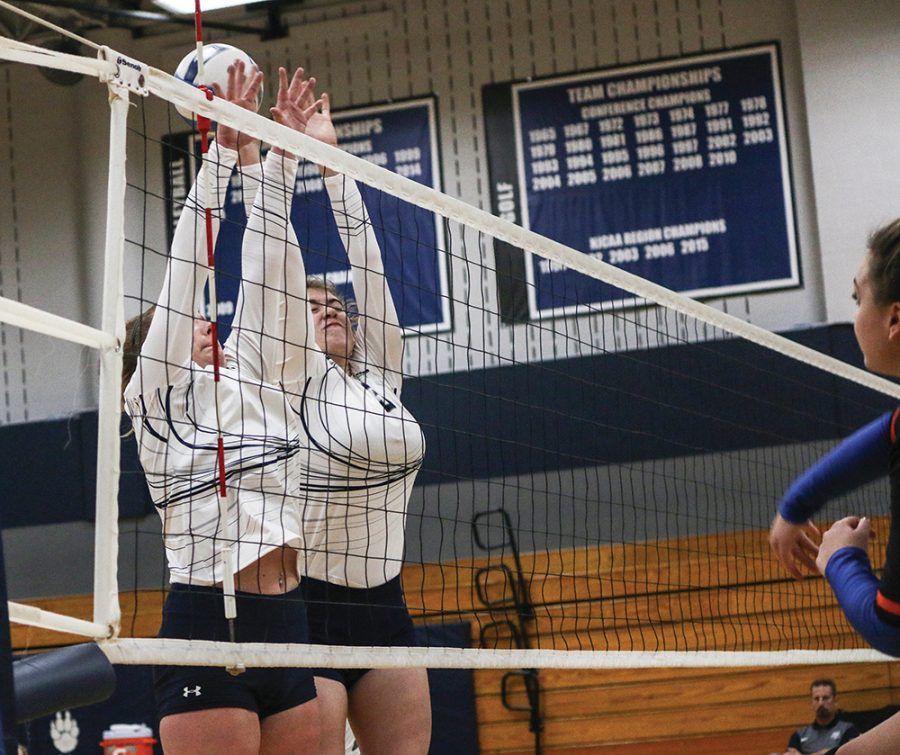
[(216, 59)]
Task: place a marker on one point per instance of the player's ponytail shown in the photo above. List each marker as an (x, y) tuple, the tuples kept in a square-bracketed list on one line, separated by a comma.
[(135, 333)]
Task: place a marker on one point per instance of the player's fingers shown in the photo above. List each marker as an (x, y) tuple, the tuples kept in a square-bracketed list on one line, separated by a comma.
[(326, 104), (297, 81), (792, 568), (231, 86), (312, 109), (807, 560), (252, 87), (806, 545), (305, 93), (786, 559), (239, 71)]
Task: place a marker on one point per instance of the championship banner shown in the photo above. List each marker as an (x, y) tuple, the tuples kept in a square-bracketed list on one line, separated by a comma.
[(676, 171), (401, 137)]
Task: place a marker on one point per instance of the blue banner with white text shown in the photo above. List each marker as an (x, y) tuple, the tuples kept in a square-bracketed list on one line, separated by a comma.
[(675, 170), (398, 136)]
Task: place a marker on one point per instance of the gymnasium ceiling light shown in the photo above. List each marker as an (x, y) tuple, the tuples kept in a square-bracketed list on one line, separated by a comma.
[(187, 6)]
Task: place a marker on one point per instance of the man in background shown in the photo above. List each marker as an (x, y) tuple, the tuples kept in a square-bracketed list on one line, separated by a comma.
[(828, 731)]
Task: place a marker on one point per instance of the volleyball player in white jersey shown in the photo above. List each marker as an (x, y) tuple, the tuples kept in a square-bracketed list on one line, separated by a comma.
[(364, 450), (170, 397)]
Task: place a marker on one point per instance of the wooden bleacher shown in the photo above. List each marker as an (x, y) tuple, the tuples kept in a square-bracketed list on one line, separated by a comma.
[(630, 597)]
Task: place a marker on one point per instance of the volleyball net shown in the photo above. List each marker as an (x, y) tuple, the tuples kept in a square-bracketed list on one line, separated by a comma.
[(596, 485)]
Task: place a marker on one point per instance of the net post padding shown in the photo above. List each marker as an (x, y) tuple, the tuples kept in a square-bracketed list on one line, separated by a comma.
[(266, 655)]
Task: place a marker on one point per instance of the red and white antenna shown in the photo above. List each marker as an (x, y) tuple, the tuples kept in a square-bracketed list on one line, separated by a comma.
[(228, 559)]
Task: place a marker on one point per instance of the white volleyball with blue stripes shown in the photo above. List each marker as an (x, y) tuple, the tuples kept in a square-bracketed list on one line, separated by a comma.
[(216, 59)]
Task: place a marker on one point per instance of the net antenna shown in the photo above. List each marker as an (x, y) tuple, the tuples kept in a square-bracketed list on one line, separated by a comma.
[(123, 75), (203, 127)]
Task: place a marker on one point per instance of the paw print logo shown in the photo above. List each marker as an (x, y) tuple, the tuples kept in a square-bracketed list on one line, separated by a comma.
[(64, 732)]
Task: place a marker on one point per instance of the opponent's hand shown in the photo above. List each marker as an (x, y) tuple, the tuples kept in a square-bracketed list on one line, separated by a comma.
[(849, 532), (295, 103), (795, 545), (242, 90)]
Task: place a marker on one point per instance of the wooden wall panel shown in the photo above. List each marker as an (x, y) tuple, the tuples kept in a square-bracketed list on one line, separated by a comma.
[(626, 712)]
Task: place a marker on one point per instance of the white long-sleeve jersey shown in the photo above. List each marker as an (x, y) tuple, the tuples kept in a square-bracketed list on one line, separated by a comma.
[(362, 447), (172, 401)]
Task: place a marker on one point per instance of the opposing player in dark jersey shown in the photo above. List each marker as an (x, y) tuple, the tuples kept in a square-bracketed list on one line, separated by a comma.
[(871, 605)]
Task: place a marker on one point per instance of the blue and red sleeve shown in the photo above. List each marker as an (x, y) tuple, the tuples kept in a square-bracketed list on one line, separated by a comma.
[(873, 606), (857, 590), (859, 459), (888, 598)]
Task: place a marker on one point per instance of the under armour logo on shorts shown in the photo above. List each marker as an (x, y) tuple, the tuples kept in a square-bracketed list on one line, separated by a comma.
[(188, 691)]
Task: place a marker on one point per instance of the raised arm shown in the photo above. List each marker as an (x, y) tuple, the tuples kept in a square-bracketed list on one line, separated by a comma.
[(378, 330), (242, 89), (274, 336), (165, 356)]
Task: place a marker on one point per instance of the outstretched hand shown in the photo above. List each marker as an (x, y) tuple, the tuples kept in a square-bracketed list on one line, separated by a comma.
[(320, 126), (795, 545), (242, 90), (295, 103), (849, 532)]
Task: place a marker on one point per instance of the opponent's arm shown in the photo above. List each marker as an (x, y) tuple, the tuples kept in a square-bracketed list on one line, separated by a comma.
[(844, 562)]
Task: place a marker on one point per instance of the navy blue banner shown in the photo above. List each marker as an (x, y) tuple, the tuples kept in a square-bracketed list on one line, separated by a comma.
[(676, 171), (401, 137)]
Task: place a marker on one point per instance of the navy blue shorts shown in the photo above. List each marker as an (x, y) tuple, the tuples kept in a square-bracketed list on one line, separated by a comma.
[(197, 613), (367, 616)]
